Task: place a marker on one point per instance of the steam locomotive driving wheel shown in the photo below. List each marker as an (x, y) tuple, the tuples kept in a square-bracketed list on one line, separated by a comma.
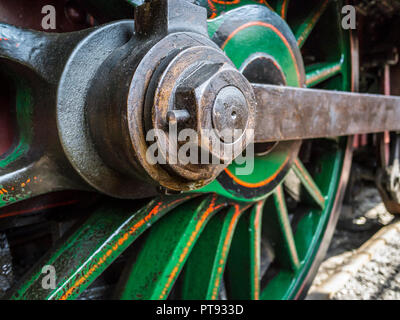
[(78, 188)]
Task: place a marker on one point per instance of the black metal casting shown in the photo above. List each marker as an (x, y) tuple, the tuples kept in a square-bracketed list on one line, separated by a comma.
[(97, 93)]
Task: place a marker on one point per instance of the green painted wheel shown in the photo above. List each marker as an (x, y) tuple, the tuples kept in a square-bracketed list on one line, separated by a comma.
[(257, 235)]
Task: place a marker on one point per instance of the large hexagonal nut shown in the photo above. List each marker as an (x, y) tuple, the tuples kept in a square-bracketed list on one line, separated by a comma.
[(222, 104)]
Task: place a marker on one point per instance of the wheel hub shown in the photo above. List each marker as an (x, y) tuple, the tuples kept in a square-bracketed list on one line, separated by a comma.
[(147, 94), (264, 49)]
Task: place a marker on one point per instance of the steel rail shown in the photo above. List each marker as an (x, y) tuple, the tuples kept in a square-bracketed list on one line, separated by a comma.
[(288, 113)]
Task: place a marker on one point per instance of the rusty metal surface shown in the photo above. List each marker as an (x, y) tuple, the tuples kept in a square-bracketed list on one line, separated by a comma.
[(170, 64), (97, 89), (285, 113), (106, 87)]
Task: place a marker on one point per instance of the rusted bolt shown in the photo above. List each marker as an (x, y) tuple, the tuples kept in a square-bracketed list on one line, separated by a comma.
[(220, 99), (175, 116)]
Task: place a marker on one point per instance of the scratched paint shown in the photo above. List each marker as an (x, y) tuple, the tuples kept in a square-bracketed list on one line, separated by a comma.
[(108, 232), (94, 246)]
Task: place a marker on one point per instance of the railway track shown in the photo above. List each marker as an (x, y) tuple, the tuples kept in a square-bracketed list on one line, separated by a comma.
[(362, 264)]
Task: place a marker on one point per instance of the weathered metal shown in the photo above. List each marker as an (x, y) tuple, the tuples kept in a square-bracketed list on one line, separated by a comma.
[(265, 252), (388, 172), (100, 114), (388, 177), (297, 113), (37, 164), (111, 156), (194, 81), (264, 49)]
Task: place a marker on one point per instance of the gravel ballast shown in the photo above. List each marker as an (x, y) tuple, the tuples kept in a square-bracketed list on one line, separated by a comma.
[(363, 261), (379, 279)]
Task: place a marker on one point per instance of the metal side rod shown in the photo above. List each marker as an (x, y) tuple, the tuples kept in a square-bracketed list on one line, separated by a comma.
[(286, 113)]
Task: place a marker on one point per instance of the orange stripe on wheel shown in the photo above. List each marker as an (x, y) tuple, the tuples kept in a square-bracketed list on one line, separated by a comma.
[(257, 184), (268, 26)]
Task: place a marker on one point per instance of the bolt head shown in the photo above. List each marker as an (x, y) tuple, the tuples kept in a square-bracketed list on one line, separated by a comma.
[(222, 103), (194, 81), (230, 114)]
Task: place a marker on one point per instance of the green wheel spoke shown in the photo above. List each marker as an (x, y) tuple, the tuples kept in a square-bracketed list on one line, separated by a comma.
[(92, 247), (206, 264), (321, 72), (166, 249), (304, 30), (278, 230), (243, 267), (309, 184), (282, 7)]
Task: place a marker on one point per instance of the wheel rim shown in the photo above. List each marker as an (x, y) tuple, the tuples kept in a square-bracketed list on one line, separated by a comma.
[(230, 244)]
